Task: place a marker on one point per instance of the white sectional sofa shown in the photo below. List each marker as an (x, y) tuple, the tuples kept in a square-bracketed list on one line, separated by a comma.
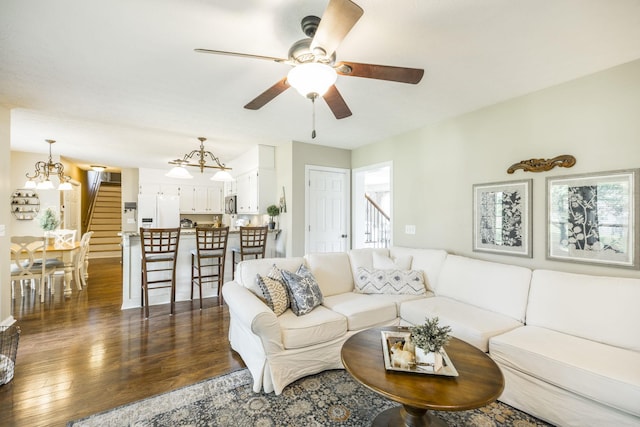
[(568, 344)]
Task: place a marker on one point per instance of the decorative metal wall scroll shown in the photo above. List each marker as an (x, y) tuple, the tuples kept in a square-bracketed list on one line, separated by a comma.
[(543, 165)]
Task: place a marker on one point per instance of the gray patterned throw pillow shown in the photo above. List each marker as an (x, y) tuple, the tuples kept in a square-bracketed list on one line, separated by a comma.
[(394, 282), (304, 292)]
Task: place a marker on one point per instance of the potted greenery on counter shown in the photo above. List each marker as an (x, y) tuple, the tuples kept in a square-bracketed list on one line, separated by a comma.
[(428, 340), (273, 211)]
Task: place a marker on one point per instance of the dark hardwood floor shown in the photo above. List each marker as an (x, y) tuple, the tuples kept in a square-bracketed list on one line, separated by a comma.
[(82, 354)]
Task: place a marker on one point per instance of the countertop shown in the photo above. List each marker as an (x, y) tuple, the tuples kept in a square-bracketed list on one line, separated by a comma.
[(186, 231)]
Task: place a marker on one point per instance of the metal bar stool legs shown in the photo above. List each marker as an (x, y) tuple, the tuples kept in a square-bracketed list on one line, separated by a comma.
[(159, 248)]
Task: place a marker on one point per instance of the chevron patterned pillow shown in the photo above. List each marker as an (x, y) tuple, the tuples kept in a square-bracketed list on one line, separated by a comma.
[(393, 282), (274, 290)]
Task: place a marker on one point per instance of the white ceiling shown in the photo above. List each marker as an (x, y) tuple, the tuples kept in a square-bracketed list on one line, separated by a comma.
[(117, 82)]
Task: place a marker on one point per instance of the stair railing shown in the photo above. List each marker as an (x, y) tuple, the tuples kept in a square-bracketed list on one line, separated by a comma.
[(94, 188), (377, 225)]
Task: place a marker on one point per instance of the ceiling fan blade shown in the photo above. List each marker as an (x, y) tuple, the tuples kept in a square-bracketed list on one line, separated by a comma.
[(336, 103), (380, 72), (336, 22), (266, 96), (242, 55)]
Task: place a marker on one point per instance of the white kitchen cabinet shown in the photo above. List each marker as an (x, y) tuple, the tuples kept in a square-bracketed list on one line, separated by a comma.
[(215, 198), (230, 188), (200, 199), (256, 191)]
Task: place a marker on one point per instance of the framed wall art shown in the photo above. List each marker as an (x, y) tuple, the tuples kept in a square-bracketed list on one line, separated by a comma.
[(502, 218), (593, 218)]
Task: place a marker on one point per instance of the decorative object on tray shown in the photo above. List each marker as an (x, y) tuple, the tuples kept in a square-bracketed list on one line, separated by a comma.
[(400, 355), (428, 340), (543, 165), (594, 218), (273, 211), (502, 218)]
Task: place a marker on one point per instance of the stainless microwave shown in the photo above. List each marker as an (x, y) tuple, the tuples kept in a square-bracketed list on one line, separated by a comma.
[(230, 204)]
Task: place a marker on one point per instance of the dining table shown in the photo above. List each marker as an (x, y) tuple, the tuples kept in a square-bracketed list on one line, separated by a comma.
[(65, 253)]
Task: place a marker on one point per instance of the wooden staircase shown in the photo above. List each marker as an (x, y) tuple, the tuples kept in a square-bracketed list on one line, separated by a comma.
[(106, 222)]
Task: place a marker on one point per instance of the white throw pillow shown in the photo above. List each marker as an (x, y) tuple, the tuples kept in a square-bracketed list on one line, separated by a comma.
[(383, 262), (392, 282)]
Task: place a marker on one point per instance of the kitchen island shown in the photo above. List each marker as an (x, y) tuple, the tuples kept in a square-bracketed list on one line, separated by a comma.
[(131, 268)]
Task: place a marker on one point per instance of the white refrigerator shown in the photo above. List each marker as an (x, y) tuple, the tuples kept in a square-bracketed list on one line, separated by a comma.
[(158, 211)]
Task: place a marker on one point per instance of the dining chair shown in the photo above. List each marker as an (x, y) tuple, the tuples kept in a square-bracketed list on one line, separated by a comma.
[(64, 238), (25, 250), (80, 261), (253, 244), (159, 248), (208, 259)]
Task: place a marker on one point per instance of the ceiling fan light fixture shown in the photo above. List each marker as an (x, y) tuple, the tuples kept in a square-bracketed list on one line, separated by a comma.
[(312, 79)]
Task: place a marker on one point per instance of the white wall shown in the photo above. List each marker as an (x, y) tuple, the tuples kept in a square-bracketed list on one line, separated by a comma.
[(595, 118), (5, 217)]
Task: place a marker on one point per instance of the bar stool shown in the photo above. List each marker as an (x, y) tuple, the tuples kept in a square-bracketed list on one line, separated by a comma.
[(208, 258), (253, 243), (159, 254)]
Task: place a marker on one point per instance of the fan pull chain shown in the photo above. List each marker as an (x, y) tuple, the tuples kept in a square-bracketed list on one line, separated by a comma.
[(313, 117)]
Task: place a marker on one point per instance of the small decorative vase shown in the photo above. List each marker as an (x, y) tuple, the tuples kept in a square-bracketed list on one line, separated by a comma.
[(431, 359)]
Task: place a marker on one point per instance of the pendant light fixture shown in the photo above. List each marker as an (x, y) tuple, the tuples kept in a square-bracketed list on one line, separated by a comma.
[(41, 179), (200, 157)]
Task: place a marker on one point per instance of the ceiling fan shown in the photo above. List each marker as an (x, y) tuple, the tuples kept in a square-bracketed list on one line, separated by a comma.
[(314, 64)]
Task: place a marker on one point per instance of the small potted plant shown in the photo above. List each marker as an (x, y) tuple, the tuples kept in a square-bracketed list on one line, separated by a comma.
[(428, 340), (273, 211), (49, 222)]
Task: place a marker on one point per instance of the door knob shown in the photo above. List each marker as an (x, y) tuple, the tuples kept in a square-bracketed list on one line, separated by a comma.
[(344, 236)]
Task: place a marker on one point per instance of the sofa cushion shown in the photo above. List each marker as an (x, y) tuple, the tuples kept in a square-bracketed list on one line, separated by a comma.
[(430, 261), (389, 282), (469, 323), (274, 290), (384, 262), (246, 271), (304, 292), (364, 258), (360, 310), (502, 288), (593, 307), (316, 327), (604, 373), (332, 271), (398, 299)]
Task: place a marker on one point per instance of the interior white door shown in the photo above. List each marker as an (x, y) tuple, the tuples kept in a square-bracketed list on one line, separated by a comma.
[(71, 208), (327, 209)]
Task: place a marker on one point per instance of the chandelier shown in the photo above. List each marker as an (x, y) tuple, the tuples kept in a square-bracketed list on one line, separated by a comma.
[(41, 179), (200, 160)]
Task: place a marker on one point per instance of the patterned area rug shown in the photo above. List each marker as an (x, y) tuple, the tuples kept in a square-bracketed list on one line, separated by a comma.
[(331, 398)]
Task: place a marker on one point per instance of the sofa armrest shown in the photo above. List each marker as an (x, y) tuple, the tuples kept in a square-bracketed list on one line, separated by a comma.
[(246, 308)]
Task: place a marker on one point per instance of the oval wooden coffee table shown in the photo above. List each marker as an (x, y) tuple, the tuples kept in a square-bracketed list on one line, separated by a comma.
[(479, 382)]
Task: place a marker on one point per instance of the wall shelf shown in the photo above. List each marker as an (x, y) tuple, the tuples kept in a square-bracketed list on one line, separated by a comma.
[(25, 204)]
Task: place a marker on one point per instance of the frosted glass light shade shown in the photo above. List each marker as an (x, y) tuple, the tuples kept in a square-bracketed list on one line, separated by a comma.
[(65, 186), (45, 185), (179, 172), (30, 184), (312, 78), (222, 175)]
